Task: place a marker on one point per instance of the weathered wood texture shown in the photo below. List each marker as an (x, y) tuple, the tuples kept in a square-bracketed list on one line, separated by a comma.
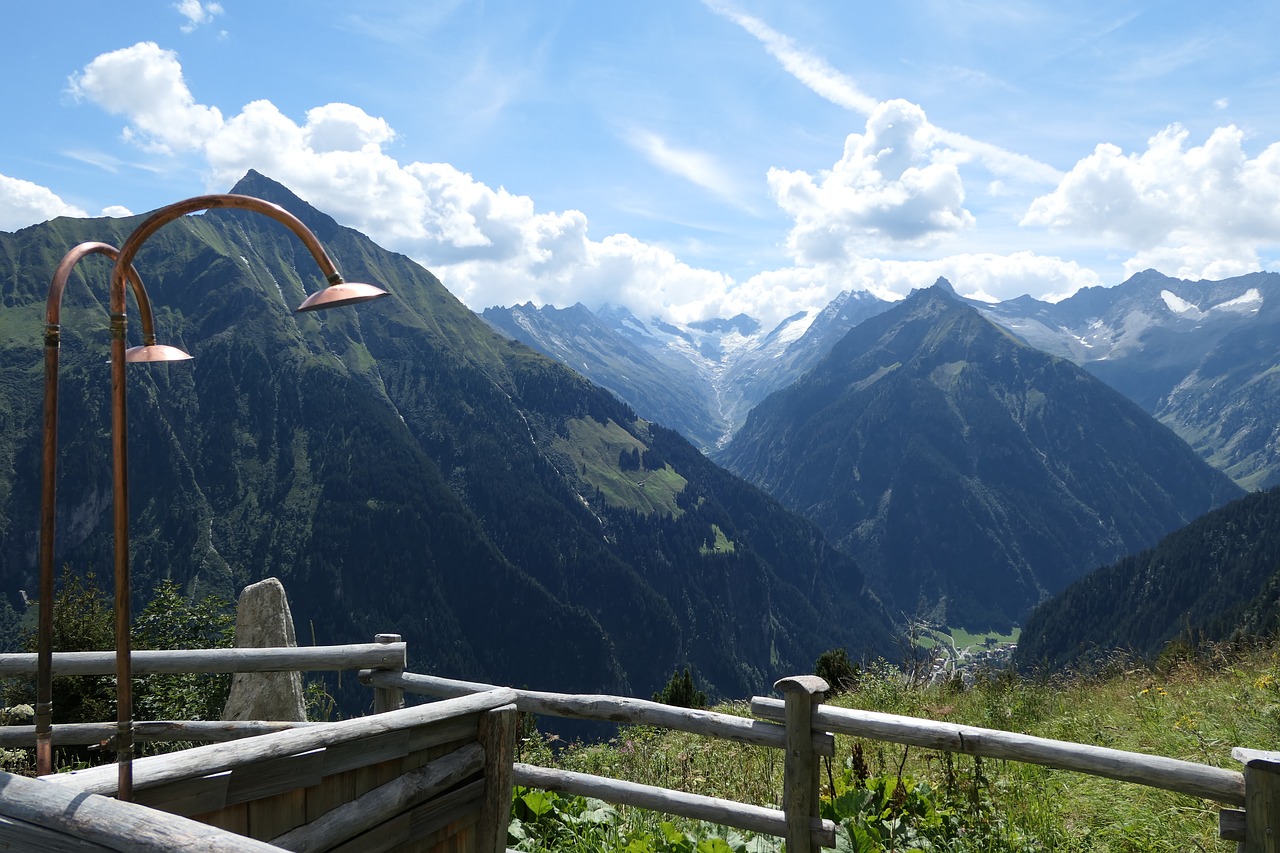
[(214, 758), (1262, 799), (407, 780), (1185, 777), (196, 731), (387, 698), (802, 694), (384, 802), (497, 734), (107, 823), (308, 658), (1231, 823), (371, 788), (444, 825), (611, 709), (20, 835), (694, 806)]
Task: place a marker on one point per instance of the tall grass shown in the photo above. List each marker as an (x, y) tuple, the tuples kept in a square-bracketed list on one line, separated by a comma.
[(890, 797)]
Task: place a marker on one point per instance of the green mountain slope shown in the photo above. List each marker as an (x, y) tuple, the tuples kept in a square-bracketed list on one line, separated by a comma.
[(401, 467), (1213, 578), (969, 474)]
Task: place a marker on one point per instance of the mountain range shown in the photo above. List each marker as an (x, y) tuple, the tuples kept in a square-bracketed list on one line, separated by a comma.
[(1198, 355), (401, 467), (968, 473), (701, 378)]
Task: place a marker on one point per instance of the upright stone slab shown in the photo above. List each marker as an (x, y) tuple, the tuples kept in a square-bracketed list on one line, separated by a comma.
[(262, 621)]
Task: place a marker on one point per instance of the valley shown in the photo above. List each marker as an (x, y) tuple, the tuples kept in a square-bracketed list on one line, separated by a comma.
[(885, 462)]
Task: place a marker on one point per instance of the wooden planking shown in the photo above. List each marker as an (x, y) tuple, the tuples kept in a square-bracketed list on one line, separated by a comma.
[(213, 758), (374, 776), (275, 776), (332, 792), (232, 819), (450, 816), (384, 803), (457, 837), (1171, 774), (111, 823), (370, 750), (461, 728), (391, 835), (187, 797), (178, 661), (276, 815), (458, 807), (20, 835)]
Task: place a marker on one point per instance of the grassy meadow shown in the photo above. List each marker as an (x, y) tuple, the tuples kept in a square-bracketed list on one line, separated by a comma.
[(889, 797)]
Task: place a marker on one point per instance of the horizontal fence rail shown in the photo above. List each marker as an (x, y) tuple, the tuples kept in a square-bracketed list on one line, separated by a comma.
[(693, 806), (1170, 774), (218, 757), (195, 731), (182, 661), (609, 709), (44, 817)]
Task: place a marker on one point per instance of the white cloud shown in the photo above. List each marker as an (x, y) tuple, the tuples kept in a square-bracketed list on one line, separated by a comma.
[(811, 70), (894, 184), (23, 203), (697, 167), (197, 13), (144, 83), (490, 246), (1203, 210), (116, 210), (772, 295), (817, 74), (342, 127)]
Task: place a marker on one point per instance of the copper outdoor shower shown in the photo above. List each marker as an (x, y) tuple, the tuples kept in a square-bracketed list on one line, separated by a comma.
[(337, 293)]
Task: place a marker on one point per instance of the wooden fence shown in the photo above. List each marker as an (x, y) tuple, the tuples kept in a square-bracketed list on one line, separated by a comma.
[(802, 726), (288, 761)]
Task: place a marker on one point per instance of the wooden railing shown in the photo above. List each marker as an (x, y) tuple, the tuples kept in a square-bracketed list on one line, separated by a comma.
[(804, 728), (798, 724), (381, 655), (797, 821)]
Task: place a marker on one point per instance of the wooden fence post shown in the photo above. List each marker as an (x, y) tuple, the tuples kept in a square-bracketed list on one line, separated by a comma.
[(497, 735), (800, 694), (1261, 799), (387, 698)]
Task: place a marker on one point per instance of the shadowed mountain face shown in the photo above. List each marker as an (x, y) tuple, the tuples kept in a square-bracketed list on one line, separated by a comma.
[(968, 473), (400, 467), (1216, 578)]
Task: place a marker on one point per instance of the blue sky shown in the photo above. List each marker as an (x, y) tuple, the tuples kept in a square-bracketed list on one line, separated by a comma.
[(688, 158)]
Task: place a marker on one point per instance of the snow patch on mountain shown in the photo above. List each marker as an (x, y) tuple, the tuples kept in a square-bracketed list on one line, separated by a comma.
[(1249, 302), (1178, 305)]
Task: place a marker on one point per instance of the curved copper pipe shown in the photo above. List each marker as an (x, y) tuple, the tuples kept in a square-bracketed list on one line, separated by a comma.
[(119, 421), (52, 341)]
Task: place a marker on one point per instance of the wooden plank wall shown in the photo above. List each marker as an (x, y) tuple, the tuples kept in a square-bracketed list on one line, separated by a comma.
[(269, 798)]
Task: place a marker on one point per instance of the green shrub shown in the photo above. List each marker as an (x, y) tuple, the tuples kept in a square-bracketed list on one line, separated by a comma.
[(681, 691)]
